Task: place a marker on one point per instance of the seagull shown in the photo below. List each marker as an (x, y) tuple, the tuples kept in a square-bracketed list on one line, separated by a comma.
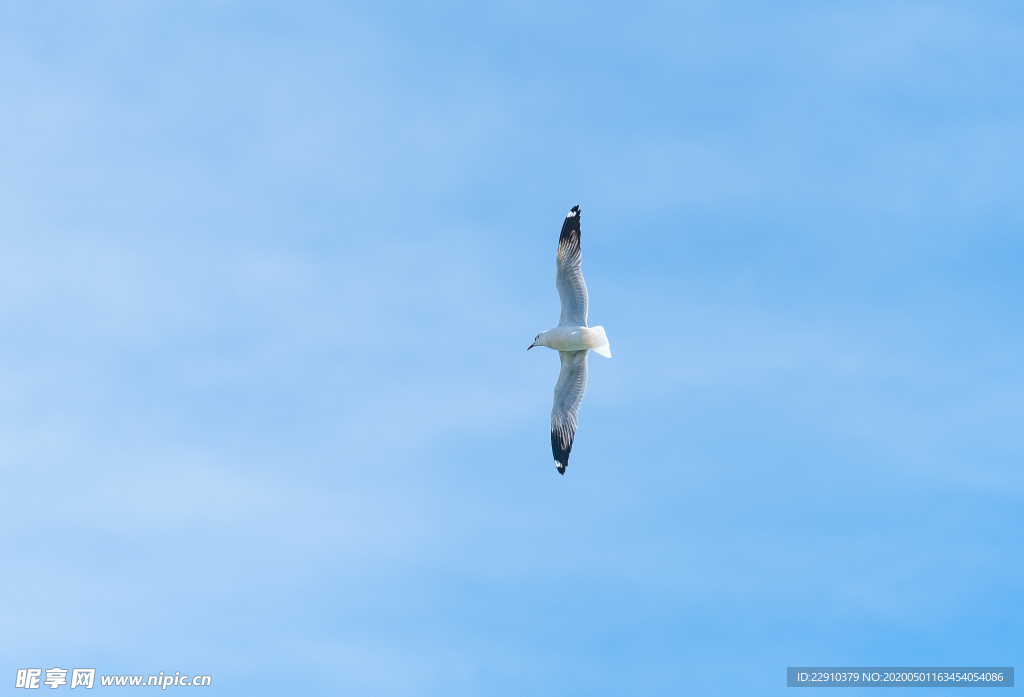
[(572, 338)]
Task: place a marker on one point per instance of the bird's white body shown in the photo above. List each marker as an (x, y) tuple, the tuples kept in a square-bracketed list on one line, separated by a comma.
[(576, 339)]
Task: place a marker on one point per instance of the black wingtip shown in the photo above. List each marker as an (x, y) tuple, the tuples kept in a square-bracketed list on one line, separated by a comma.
[(571, 228), (560, 451)]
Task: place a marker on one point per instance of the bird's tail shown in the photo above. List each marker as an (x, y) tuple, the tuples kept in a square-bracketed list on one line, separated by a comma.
[(600, 342)]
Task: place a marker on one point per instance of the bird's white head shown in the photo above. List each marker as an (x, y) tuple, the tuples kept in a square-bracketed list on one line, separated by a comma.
[(538, 341)]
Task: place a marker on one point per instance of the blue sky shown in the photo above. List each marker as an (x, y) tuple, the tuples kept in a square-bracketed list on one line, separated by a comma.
[(267, 276)]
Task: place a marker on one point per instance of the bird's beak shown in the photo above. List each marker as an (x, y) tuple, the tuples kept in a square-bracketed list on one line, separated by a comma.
[(529, 347)]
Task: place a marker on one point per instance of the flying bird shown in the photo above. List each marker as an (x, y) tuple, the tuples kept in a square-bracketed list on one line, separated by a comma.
[(572, 338)]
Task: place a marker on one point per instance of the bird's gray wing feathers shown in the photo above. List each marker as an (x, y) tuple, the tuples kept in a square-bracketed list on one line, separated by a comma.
[(572, 291), (572, 383)]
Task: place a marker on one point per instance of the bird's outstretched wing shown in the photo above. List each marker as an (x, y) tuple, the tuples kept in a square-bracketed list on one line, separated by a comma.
[(572, 291), (572, 383)]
